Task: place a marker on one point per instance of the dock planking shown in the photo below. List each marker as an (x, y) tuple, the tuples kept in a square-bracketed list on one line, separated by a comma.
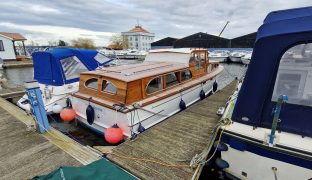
[(9, 93), (25, 153), (174, 141)]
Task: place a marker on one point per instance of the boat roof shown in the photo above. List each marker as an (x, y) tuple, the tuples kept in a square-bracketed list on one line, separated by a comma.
[(131, 72), (48, 68), (254, 101), (177, 55), (286, 22), (287, 14), (173, 50)]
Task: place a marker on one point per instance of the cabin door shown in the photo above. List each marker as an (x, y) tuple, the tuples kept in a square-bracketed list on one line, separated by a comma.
[(200, 62)]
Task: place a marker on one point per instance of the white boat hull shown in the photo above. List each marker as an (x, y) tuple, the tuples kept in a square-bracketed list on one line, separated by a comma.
[(235, 59), (58, 95), (156, 112), (250, 157), (258, 167), (245, 61), (218, 59)]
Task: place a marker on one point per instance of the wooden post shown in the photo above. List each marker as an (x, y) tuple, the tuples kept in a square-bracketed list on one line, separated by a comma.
[(14, 48), (24, 48)]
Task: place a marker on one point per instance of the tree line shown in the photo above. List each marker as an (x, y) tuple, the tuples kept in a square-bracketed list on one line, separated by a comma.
[(116, 42)]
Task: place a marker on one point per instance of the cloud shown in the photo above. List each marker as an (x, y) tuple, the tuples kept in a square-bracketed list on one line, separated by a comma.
[(44, 21), (48, 33)]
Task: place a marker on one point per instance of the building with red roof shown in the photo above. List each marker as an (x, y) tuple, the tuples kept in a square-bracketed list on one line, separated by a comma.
[(139, 38)]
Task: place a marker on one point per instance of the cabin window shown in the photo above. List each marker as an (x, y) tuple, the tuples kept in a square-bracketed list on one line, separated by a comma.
[(186, 75), (172, 79), (1, 46), (108, 87), (101, 58), (155, 85), (72, 67), (92, 83), (294, 76)]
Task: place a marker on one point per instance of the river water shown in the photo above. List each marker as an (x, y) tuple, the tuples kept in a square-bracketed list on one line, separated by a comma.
[(17, 76)]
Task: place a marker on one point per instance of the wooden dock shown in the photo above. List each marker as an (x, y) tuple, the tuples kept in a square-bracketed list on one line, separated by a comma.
[(9, 93), (25, 153), (165, 151), (18, 64)]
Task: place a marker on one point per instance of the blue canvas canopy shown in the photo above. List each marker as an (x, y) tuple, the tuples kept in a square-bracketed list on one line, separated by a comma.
[(63, 65), (280, 31), (287, 14)]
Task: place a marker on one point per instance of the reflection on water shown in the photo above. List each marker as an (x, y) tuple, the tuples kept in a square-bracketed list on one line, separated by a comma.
[(17, 76), (230, 72)]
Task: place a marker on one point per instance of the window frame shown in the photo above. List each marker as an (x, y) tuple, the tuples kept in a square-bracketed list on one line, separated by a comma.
[(68, 77), (186, 79), (178, 79), (97, 80), (296, 69), (163, 85), (108, 92)]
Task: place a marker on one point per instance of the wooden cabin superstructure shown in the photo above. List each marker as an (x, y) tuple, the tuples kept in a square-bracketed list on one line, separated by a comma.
[(130, 83), (164, 74)]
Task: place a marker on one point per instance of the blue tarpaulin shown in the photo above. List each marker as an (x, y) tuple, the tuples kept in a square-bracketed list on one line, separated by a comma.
[(281, 30), (62, 65)]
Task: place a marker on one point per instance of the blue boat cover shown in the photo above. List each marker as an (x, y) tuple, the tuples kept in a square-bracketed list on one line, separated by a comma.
[(281, 31), (287, 14), (62, 65)]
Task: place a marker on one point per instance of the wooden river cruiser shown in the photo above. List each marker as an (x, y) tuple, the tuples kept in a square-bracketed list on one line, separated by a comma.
[(138, 96)]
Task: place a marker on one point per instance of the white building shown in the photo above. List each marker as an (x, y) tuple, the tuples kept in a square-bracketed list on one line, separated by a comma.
[(139, 38), (8, 49)]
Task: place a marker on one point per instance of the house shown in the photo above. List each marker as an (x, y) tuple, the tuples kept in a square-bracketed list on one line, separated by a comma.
[(138, 38), (8, 47)]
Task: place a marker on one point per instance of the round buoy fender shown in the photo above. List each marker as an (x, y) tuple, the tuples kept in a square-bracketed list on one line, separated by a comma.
[(56, 108), (222, 164), (90, 114), (215, 86), (141, 128), (202, 95), (68, 114), (182, 105), (113, 135)]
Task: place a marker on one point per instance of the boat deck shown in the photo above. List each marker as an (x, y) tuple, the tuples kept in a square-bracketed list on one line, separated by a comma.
[(25, 153), (173, 142)]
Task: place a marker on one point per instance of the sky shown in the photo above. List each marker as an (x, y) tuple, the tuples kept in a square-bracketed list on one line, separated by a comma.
[(44, 21)]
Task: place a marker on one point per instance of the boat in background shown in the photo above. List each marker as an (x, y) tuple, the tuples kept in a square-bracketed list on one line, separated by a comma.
[(246, 58), (124, 54), (138, 96), (236, 56), (268, 131), (219, 55), (57, 71)]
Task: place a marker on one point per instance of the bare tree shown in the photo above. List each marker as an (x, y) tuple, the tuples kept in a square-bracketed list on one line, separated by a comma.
[(118, 42), (83, 43)]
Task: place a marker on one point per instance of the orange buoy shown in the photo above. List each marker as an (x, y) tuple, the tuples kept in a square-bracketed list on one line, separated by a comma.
[(68, 114), (113, 135)]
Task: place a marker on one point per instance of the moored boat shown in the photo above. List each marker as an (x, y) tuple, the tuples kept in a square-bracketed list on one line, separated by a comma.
[(236, 56), (57, 72), (246, 58), (219, 55), (138, 96), (270, 131)]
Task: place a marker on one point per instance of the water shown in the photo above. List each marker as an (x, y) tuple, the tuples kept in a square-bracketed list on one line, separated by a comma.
[(17, 76)]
